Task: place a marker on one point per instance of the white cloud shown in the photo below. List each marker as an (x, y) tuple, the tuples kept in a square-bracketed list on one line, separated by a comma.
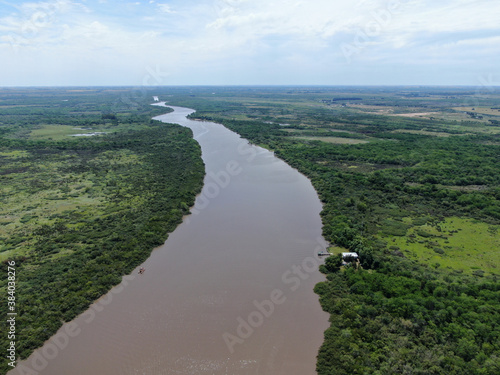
[(404, 19), (165, 8), (289, 36)]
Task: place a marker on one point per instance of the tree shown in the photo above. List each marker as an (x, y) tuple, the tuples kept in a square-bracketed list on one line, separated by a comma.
[(333, 263)]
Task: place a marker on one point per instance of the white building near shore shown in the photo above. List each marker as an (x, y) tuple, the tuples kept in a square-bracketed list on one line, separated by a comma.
[(349, 258)]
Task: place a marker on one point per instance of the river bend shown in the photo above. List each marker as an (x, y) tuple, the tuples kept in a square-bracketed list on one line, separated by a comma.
[(231, 290)]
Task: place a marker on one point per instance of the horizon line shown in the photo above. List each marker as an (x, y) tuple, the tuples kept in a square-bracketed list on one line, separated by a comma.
[(238, 85)]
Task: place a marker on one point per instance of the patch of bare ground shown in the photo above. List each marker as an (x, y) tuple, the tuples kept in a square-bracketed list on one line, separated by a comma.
[(415, 114), (372, 109)]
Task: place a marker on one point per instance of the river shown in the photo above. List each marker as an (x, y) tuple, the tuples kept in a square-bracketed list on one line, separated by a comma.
[(231, 290)]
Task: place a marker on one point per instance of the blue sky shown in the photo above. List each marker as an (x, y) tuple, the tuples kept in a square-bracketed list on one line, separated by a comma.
[(261, 42)]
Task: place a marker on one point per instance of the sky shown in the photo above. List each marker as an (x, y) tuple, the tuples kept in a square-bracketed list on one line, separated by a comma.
[(249, 42)]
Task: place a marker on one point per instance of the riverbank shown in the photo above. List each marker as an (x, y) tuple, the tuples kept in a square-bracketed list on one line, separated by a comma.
[(425, 301), (78, 214), (225, 292)]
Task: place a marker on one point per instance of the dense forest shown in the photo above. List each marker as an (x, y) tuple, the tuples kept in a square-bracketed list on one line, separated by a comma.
[(408, 178), (78, 213), (418, 199)]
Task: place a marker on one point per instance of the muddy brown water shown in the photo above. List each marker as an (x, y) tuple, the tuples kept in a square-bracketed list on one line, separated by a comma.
[(231, 290)]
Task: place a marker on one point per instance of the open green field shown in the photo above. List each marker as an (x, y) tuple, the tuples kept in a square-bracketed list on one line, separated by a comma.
[(41, 192), (458, 244), (409, 178), (59, 132), (419, 202), (335, 140), (424, 132), (78, 213)]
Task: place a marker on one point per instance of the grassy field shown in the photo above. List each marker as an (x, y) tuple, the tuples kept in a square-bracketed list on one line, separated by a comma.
[(335, 140), (458, 244), (59, 132), (495, 111), (358, 117), (419, 202), (42, 194), (78, 213), (424, 132), (408, 178)]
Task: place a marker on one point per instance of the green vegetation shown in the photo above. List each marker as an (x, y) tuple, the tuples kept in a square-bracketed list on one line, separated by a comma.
[(78, 213), (59, 132), (420, 203), (335, 140), (456, 244), (403, 318)]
